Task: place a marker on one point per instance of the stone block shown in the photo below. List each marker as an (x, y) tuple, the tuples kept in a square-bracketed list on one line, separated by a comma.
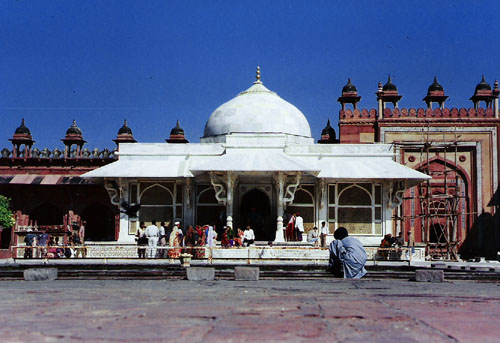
[(429, 275), (200, 273), (40, 274), (439, 265), (242, 273)]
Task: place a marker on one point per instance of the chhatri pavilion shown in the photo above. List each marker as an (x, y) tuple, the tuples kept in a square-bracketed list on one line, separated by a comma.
[(255, 164)]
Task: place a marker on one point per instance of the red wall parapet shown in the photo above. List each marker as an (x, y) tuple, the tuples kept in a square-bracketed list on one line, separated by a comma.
[(438, 113), (356, 115), (416, 113)]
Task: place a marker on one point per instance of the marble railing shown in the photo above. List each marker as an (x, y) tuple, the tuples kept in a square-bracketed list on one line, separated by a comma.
[(127, 251)]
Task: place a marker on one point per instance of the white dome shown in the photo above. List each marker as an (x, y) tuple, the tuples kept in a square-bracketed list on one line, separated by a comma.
[(257, 110)]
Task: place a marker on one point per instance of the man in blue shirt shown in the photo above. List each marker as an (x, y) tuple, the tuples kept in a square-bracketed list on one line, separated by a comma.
[(347, 255)]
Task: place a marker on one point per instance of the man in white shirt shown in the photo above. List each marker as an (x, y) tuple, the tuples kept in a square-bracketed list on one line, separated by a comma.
[(299, 226), (152, 233), (248, 236), (324, 233)]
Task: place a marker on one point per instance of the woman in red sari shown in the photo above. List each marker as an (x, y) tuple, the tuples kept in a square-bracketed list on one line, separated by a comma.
[(199, 252), (225, 239), (189, 240), (290, 229)]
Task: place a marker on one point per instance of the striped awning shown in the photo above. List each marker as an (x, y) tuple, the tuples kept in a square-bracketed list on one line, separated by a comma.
[(30, 179)]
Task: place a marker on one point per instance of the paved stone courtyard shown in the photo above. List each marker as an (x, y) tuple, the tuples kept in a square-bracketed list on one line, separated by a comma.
[(238, 311)]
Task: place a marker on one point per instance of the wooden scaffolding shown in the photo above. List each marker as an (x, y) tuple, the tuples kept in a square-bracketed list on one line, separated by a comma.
[(438, 209)]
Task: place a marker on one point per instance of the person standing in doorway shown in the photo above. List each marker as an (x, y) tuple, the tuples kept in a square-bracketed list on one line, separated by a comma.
[(324, 234), (152, 235), (299, 227)]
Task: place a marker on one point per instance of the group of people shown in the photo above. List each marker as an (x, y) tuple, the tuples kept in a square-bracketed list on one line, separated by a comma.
[(152, 240), (239, 238), (155, 241), (44, 245), (294, 228), (392, 247), (158, 242)]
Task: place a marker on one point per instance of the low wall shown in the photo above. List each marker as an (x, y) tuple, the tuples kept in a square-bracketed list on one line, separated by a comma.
[(125, 251)]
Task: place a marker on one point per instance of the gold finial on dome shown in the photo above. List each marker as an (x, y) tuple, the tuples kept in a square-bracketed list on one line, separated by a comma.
[(257, 75)]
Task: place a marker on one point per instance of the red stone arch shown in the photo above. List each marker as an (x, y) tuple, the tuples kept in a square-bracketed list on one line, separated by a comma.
[(436, 164)]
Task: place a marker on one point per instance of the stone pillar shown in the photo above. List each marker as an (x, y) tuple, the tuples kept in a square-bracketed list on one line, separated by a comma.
[(323, 202), (380, 108), (380, 101), (280, 183), (188, 197), (229, 199), (123, 193), (495, 107)]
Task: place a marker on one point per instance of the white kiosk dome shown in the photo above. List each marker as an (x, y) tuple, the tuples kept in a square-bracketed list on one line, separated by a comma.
[(256, 111)]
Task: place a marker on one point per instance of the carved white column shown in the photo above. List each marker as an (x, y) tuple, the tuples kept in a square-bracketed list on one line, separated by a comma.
[(189, 196), (229, 198), (122, 194), (280, 185), (323, 202)]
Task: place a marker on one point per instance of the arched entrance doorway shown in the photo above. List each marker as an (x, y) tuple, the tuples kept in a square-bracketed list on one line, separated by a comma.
[(100, 223), (255, 210)]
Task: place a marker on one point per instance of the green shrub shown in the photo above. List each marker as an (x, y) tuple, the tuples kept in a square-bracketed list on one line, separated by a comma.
[(6, 215)]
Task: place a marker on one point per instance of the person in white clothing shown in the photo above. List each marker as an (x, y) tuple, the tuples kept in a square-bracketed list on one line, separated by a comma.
[(248, 236), (299, 226), (324, 233), (211, 237), (152, 233)]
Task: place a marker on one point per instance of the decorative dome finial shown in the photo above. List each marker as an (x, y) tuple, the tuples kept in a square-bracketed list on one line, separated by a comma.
[(257, 75)]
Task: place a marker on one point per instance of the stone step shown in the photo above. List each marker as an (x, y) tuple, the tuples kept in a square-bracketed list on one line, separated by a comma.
[(227, 272)]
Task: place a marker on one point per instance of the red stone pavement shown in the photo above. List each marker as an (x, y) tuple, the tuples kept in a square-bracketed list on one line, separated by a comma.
[(238, 311)]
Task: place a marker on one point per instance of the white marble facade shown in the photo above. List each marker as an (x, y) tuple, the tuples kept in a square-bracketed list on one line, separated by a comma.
[(256, 160)]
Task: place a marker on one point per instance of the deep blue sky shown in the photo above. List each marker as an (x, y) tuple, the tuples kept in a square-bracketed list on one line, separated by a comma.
[(153, 62)]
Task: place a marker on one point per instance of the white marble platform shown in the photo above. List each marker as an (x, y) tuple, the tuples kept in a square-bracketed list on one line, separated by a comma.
[(285, 253)]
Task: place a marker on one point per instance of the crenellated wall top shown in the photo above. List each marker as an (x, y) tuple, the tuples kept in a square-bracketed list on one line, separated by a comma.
[(417, 113)]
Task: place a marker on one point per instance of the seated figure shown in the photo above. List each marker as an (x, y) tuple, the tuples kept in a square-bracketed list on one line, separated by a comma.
[(347, 255), (313, 236)]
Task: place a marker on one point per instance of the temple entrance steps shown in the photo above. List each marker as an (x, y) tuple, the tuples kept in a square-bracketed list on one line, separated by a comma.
[(153, 269)]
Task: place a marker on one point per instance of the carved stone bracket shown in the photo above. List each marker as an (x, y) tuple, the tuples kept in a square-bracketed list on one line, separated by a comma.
[(396, 191), (291, 188), (219, 187), (113, 192)]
